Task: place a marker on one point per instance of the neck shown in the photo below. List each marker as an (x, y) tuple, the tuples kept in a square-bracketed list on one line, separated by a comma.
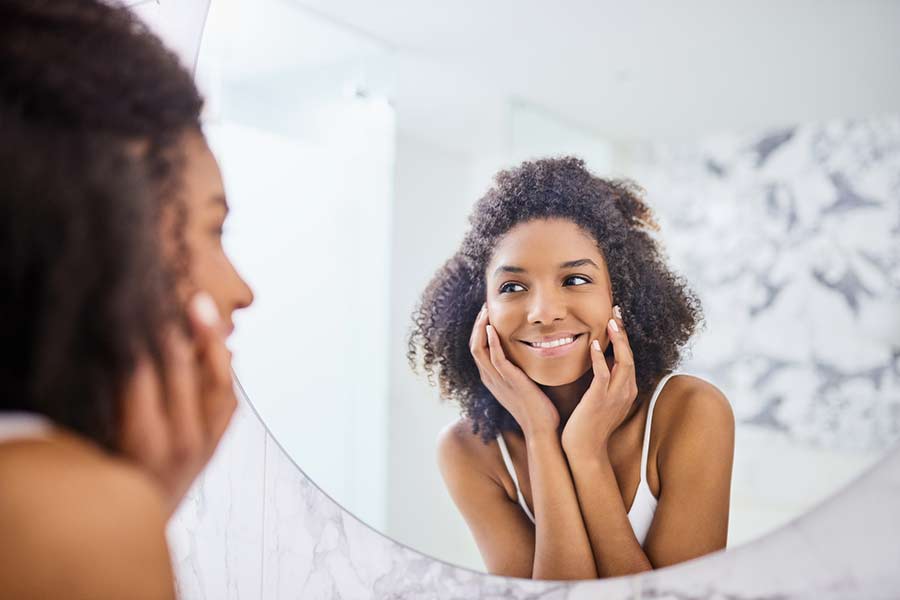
[(566, 397)]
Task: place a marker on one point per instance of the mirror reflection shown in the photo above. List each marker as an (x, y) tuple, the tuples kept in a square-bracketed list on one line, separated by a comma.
[(387, 181)]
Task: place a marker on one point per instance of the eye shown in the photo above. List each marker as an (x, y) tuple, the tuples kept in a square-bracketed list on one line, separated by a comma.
[(577, 277), (507, 287)]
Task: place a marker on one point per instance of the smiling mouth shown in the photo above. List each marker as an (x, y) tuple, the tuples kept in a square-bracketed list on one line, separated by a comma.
[(566, 341)]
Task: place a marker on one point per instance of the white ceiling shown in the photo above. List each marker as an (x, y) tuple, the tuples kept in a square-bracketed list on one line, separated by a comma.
[(628, 70)]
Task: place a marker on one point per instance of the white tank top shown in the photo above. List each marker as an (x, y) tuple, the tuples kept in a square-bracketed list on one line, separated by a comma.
[(16, 425), (644, 506)]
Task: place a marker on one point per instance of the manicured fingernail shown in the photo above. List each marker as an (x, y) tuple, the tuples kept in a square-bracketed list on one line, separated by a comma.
[(205, 309), (615, 327), (617, 312), (596, 345), (483, 308)]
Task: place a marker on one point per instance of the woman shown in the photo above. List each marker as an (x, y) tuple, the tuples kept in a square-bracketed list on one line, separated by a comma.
[(119, 298), (556, 327)]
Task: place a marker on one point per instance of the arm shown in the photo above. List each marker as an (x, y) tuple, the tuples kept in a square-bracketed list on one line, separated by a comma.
[(172, 419), (602, 409), (691, 516), (504, 535), (695, 462), (562, 549), (557, 547), (616, 550)]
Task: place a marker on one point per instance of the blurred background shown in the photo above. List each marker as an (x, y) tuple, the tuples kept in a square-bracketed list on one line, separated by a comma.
[(355, 137)]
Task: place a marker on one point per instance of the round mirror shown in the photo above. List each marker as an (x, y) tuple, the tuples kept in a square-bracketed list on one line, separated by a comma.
[(355, 141)]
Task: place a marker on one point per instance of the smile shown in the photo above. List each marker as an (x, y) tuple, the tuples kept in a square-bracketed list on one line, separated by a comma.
[(555, 347)]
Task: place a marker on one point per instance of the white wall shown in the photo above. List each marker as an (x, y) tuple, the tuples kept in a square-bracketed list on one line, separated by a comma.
[(434, 191)]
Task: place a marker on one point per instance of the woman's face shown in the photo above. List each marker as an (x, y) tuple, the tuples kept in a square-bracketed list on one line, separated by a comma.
[(210, 268), (547, 281)]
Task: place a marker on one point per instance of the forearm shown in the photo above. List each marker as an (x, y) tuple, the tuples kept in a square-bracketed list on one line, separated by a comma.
[(561, 549), (616, 550)]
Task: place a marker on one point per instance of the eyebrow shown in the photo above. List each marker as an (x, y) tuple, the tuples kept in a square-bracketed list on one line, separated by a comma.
[(570, 264)]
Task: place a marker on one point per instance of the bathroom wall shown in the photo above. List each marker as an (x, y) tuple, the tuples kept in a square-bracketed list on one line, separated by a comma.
[(791, 237)]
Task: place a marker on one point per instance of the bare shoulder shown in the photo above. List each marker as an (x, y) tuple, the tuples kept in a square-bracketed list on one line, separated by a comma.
[(694, 413), (79, 523), (458, 445), (465, 460), (687, 398)]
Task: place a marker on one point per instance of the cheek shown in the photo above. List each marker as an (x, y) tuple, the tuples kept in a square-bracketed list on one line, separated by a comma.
[(205, 269), (503, 320)]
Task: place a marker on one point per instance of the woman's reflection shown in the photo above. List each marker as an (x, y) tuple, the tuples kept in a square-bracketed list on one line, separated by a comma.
[(556, 328)]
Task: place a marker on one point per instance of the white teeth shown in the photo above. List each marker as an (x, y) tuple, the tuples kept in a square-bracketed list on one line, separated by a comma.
[(553, 344)]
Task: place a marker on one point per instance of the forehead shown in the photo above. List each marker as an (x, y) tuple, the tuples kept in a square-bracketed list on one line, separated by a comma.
[(544, 244), (201, 170)]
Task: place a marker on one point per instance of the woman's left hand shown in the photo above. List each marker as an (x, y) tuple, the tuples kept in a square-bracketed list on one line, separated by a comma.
[(607, 401)]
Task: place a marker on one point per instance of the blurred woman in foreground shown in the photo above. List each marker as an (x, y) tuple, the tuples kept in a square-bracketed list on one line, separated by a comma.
[(118, 301)]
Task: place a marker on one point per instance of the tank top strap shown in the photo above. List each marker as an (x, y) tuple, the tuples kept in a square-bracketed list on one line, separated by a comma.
[(507, 460), (18, 425), (645, 450)]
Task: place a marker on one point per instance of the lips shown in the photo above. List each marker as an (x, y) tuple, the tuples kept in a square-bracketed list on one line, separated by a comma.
[(555, 345)]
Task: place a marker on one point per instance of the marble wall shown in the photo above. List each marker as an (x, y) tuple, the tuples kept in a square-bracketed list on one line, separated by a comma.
[(791, 238), (254, 526)]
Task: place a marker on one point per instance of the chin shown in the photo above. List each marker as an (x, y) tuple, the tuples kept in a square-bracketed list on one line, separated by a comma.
[(559, 375)]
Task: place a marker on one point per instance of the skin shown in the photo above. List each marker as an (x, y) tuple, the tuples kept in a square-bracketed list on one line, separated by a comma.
[(92, 525), (578, 457)]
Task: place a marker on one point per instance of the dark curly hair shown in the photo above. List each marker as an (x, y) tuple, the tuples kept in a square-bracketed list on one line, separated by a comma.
[(92, 75), (661, 311), (93, 67), (84, 279)]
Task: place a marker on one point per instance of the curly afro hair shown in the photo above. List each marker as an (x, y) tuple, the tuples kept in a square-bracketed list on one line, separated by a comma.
[(661, 311), (93, 109), (89, 66), (92, 66), (85, 286)]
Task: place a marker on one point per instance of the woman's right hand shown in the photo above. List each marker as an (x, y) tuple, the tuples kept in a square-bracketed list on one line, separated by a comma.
[(513, 389), (172, 424)]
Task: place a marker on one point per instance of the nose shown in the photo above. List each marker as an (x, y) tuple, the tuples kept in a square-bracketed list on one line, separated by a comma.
[(244, 294), (547, 305)]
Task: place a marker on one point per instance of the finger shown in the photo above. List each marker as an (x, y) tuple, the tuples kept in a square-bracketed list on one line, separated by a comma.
[(623, 373), (505, 369), (600, 383), (182, 401), (144, 433), (478, 339), (480, 347), (215, 383)]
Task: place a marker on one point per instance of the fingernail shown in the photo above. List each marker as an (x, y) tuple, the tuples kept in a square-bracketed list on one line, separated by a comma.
[(483, 308), (596, 345), (205, 309), (615, 327), (617, 312)]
